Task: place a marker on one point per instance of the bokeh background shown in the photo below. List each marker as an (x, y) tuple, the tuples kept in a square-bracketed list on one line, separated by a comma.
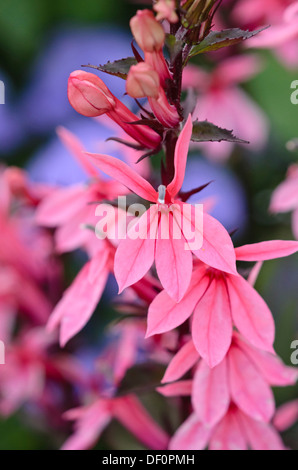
[(41, 42)]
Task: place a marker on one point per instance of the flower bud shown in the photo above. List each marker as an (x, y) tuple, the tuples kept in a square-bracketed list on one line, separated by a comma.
[(142, 81), (148, 32), (88, 95), (166, 10)]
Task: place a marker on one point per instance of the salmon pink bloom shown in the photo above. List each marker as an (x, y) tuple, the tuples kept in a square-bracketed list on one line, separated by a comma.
[(286, 416), (285, 197), (220, 300), (150, 37), (166, 10), (143, 81), (236, 431), (28, 366), (89, 96), (223, 103), (244, 377), (282, 35), (146, 242), (91, 420), (71, 210)]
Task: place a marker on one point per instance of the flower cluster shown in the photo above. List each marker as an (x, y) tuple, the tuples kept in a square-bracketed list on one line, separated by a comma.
[(187, 306)]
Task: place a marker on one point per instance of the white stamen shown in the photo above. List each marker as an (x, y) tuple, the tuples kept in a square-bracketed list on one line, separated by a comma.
[(161, 194)]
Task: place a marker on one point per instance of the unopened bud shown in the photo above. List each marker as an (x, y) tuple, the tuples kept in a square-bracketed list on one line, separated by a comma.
[(142, 81), (166, 10), (88, 94), (197, 11), (148, 32)]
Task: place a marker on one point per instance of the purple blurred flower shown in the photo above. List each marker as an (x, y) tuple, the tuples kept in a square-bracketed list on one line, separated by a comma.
[(11, 133), (45, 103), (226, 191), (54, 164)]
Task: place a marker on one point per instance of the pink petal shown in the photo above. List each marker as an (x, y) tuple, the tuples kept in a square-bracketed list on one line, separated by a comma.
[(261, 436), (134, 417), (248, 388), (79, 301), (184, 360), (254, 273), (92, 421), (211, 395), (177, 389), (192, 435), (237, 69), (285, 197), (165, 314), (266, 250), (212, 324), (134, 257), (286, 416), (181, 152), (218, 249), (271, 367), (127, 351), (76, 148), (228, 434), (251, 314), (61, 205), (125, 175), (74, 234), (173, 262)]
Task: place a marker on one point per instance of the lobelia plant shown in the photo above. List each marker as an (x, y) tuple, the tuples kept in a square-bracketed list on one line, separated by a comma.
[(175, 265)]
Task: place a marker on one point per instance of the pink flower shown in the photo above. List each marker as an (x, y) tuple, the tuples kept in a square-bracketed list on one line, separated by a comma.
[(223, 103), (285, 197), (236, 431), (89, 96), (150, 36), (136, 253), (286, 416), (166, 10), (219, 300), (92, 419), (28, 366), (143, 81), (244, 377), (281, 16)]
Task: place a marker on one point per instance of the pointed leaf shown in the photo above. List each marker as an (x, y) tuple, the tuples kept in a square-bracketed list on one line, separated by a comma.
[(204, 131), (118, 68), (218, 39)]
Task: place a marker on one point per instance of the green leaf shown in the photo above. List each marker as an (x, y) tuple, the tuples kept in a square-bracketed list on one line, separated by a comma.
[(118, 68), (204, 131), (218, 39)]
